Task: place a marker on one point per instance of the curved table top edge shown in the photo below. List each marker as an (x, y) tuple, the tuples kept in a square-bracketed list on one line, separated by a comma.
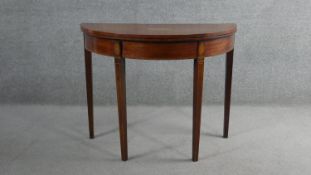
[(158, 32)]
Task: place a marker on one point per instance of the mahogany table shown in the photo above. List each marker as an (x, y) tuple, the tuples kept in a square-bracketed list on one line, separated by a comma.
[(159, 42)]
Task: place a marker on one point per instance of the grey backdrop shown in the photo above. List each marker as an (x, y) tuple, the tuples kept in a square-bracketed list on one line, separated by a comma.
[(41, 51)]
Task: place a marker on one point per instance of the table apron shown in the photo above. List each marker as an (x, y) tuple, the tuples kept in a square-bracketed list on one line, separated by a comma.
[(158, 50)]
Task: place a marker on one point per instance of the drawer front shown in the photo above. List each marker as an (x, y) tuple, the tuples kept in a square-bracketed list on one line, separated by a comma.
[(159, 51)]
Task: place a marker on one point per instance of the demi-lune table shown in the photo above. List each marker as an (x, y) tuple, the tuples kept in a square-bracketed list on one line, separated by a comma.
[(159, 42)]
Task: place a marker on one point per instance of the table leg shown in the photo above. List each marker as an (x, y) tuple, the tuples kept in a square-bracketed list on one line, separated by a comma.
[(197, 105), (89, 90), (229, 64), (121, 96)]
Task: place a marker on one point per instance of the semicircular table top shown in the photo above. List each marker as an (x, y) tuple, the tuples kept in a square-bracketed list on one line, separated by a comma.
[(153, 32)]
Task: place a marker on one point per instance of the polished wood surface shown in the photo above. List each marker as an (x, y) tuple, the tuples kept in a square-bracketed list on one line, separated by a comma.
[(89, 90), (121, 98), (158, 32), (228, 82), (159, 42), (99, 45), (163, 51), (198, 75)]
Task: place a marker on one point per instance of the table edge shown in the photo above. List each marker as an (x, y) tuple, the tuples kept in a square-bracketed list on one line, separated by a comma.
[(162, 38)]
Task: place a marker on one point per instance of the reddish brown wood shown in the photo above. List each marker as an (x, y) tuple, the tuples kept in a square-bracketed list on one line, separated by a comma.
[(99, 45), (198, 75), (218, 46), (89, 90), (165, 51), (159, 42), (159, 50), (158, 32), (228, 82), (121, 98)]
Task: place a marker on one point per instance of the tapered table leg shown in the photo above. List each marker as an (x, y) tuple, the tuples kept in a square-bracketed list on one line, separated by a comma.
[(121, 96), (89, 90), (229, 64), (197, 105)]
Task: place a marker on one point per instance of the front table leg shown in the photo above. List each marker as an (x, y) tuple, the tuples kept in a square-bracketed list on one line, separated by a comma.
[(89, 90), (197, 105), (121, 96), (229, 63)]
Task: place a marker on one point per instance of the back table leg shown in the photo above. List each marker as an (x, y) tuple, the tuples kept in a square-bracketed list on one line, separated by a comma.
[(89, 90), (229, 64)]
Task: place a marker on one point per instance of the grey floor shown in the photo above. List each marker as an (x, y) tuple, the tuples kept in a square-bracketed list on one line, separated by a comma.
[(40, 140)]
